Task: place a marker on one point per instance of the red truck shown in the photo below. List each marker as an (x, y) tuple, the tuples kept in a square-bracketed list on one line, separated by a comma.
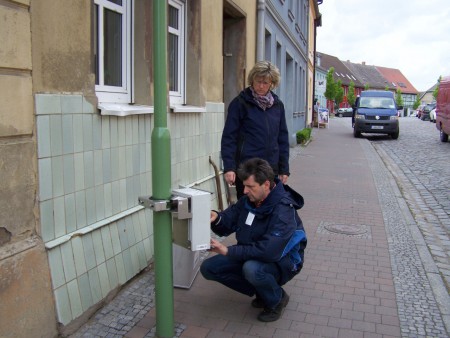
[(443, 109)]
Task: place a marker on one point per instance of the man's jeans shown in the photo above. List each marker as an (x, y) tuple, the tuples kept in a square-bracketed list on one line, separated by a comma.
[(247, 277)]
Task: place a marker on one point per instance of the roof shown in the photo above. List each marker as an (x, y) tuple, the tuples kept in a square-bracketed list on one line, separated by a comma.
[(341, 72), (426, 95), (397, 80), (376, 77), (367, 75)]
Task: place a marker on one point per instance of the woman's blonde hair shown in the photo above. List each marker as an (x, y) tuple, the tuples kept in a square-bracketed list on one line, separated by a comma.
[(265, 69)]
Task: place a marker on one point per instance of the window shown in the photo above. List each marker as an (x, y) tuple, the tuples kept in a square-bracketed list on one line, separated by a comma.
[(175, 42), (112, 43)]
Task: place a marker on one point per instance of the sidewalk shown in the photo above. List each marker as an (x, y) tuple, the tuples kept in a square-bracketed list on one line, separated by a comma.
[(346, 288)]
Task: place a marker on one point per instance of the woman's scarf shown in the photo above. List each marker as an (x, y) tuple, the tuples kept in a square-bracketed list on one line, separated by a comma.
[(263, 101)]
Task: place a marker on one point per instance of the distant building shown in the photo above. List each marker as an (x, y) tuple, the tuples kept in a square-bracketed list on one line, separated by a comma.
[(362, 75), (397, 81), (427, 96)]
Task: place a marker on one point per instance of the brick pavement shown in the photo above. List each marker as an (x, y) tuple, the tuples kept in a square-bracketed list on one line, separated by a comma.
[(346, 288)]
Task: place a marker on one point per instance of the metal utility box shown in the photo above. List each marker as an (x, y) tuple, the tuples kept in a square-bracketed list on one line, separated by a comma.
[(191, 233), (190, 223)]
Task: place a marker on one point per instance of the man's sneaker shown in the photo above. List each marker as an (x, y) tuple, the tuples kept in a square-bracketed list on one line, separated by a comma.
[(258, 303), (271, 315)]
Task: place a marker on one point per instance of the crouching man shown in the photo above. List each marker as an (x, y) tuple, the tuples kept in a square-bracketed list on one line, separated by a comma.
[(270, 240)]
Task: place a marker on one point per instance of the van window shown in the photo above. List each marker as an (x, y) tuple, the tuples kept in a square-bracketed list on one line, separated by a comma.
[(377, 102)]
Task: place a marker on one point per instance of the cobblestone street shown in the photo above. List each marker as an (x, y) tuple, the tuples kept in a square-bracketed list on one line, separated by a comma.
[(420, 164)]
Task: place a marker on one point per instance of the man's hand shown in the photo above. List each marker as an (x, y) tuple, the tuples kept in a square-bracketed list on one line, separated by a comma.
[(218, 247), (213, 216), (230, 177), (283, 178)]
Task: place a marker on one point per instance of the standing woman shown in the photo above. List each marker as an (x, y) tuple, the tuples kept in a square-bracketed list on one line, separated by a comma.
[(256, 126)]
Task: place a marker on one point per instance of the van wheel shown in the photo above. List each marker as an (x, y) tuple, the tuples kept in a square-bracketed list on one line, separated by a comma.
[(395, 135), (443, 136), (340, 115), (356, 133)]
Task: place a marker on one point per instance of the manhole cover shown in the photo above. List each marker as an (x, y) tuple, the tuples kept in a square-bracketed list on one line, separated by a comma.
[(346, 229)]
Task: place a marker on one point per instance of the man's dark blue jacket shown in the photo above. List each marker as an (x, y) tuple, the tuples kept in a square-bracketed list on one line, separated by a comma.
[(252, 132), (276, 233)]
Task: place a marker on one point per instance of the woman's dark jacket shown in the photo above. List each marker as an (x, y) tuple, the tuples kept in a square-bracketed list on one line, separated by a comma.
[(251, 132), (276, 233)]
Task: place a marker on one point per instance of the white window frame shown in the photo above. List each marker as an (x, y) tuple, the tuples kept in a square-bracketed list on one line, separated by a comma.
[(116, 94), (178, 97)]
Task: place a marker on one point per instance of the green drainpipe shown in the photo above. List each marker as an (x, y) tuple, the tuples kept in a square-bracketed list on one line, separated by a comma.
[(161, 177)]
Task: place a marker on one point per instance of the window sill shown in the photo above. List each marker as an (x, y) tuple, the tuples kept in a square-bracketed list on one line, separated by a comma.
[(121, 109), (187, 109)]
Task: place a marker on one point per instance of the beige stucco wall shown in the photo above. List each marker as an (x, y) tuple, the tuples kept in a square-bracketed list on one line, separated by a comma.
[(15, 78), (26, 300), (61, 35), (26, 305), (211, 47), (143, 70), (249, 7), (310, 82)]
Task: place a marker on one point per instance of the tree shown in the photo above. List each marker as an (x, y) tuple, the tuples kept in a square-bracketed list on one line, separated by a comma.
[(398, 97), (436, 90), (339, 97), (416, 103), (330, 91), (366, 86), (351, 98)]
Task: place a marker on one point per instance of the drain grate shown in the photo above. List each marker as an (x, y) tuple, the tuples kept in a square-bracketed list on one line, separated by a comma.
[(351, 230)]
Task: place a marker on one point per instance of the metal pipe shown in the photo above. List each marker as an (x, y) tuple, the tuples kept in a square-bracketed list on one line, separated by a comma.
[(161, 178), (260, 34), (219, 188)]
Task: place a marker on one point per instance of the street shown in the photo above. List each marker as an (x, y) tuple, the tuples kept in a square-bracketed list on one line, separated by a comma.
[(419, 162), (416, 212)]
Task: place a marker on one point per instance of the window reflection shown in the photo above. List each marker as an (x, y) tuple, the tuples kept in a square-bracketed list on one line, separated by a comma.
[(112, 48)]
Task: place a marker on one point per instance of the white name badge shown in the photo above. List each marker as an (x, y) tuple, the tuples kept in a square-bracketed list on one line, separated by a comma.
[(250, 218)]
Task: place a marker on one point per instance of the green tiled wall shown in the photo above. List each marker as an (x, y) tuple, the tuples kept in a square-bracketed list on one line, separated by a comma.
[(93, 168)]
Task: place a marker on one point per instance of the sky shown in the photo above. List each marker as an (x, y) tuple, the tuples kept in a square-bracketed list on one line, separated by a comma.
[(412, 36)]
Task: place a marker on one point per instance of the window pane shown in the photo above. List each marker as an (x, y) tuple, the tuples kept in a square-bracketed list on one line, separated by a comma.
[(117, 2), (173, 17), (173, 62), (112, 48)]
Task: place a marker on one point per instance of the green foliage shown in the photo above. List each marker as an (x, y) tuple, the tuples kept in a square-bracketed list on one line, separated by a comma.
[(398, 97), (330, 91), (351, 98), (339, 97), (303, 135), (386, 88), (416, 103), (366, 86), (436, 90)]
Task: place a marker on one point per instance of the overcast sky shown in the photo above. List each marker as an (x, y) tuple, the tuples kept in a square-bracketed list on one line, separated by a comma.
[(410, 35)]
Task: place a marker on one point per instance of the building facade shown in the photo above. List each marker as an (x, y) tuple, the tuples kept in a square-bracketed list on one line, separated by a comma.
[(77, 88), (283, 40), (362, 76)]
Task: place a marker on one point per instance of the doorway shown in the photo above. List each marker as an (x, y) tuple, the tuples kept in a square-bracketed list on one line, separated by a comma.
[(234, 33)]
